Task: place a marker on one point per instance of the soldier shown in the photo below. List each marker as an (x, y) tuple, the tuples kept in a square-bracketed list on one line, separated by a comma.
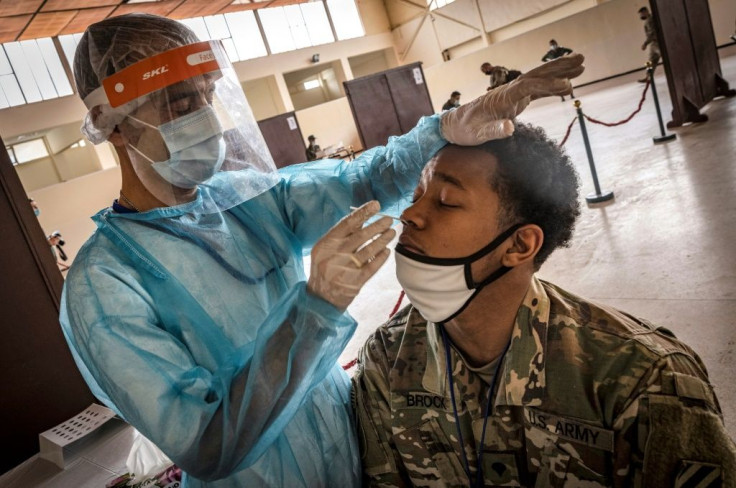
[(453, 101), (651, 39), (312, 148), (493, 377), (500, 75), (556, 51)]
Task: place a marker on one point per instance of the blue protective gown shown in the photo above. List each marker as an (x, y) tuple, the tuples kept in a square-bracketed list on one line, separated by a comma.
[(198, 330)]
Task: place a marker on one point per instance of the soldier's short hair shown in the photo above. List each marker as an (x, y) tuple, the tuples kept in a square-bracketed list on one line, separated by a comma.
[(536, 183)]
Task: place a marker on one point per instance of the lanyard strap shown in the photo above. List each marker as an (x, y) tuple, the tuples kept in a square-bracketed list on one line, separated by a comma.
[(479, 473)]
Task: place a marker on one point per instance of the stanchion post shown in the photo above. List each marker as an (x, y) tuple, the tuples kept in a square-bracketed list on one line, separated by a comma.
[(663, 137), (598, 196)]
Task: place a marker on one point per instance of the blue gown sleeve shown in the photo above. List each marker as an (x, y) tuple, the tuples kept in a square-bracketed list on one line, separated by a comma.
[(316, 195), (211, 420)]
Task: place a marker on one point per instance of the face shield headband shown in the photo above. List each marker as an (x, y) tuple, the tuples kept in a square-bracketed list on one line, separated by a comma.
[(123, 92), (441, 288)]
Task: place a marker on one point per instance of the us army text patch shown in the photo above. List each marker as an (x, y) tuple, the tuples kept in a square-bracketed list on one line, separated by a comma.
[(573, 430)]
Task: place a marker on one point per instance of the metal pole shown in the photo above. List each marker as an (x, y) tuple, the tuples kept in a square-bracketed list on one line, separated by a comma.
[(663, 137), (598, 196)]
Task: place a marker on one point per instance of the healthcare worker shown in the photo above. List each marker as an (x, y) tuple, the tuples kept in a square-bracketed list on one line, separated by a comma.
[(188, 311)]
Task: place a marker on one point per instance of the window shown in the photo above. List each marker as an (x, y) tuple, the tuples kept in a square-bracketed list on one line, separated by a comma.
[(317, 23), (9, 149), (238, 32), (28, 151), (306, 23), (246, 35), (31, 71), (345, 18), (434, 4), (276, 28), (198, 26), (69, 44), (308, 85)]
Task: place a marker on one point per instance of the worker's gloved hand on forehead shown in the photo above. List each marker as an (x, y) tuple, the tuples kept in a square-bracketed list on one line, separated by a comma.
[(490, 116)]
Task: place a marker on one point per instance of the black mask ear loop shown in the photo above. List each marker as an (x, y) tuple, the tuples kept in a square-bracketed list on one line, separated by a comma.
[(483, 252), (490, 279)]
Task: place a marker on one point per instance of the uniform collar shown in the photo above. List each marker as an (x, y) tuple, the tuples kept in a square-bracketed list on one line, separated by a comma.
[(524, 379), (523, 373)]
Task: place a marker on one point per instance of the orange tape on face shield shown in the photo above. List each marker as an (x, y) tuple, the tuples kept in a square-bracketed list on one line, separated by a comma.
[(162, 70)]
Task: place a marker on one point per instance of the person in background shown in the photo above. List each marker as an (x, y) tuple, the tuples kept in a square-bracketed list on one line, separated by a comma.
[(499, 75), (555, 51), (312, 148), (494, 377), (651, 40), (34, 206), (54, 240), (453, 102), (188, 311)]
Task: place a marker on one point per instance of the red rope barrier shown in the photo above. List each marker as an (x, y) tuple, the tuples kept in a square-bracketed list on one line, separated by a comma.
[(567, 134), (393, 312), (638, 109), (398, 304)]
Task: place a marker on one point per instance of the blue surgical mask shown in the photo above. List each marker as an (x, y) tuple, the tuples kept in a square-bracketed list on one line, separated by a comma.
[(196, 148), (37, 211)]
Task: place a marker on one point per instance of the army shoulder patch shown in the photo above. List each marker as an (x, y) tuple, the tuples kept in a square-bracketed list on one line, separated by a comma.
[(693, 474)]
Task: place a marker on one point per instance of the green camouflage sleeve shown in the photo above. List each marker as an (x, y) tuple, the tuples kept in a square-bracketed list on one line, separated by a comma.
[(672, 432), (371, 403)]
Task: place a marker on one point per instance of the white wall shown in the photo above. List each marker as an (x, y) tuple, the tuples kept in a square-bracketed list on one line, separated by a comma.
[(331, 123), (609, 32), (367, 64), (263, 97), (37, 174), (723, 16), (76, 161), (610, 35), (67, 207), (33, 117), (62, 137)]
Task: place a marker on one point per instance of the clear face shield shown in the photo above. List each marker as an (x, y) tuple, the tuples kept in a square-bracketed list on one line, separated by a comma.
[(186, 126)]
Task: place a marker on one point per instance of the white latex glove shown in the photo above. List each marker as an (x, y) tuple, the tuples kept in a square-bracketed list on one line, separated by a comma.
[(348, 255), (490, 116)]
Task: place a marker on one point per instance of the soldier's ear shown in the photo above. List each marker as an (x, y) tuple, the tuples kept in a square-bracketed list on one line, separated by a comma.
[(524, 246)]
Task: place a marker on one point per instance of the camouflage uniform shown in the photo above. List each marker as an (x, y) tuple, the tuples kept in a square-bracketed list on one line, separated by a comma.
[(587, 396), (501, 75), (652, 41)]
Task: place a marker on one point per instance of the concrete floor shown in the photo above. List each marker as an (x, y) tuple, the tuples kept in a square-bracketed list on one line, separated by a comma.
[(662, 250)]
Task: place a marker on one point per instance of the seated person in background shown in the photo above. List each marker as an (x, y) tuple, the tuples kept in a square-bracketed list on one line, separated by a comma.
[(312, 148), (494, 377), (453, 102), (556, 51), (499, 74)]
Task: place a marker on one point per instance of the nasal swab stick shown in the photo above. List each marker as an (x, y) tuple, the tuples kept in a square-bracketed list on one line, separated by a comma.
[(379, 213)]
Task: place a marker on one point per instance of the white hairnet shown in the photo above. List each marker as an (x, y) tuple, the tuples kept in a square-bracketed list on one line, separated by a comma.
[(109, 46)]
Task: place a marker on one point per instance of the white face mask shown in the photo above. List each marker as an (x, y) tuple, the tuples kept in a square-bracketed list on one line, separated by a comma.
[(196, 148), (441, 288)]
